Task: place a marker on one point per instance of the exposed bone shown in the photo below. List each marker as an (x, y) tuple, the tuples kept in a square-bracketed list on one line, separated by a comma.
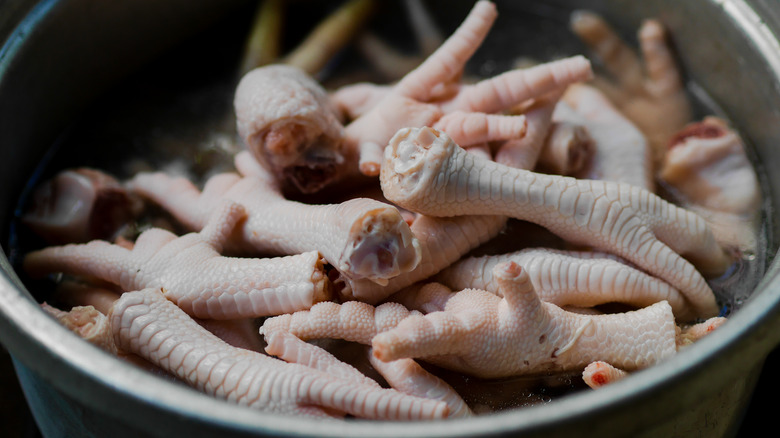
[(288, 124), (442, 242), (599, 373)]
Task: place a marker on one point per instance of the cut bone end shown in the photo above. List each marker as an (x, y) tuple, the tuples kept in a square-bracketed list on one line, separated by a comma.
[(413, 157), (383, 247), (598, 374), (323, 289)]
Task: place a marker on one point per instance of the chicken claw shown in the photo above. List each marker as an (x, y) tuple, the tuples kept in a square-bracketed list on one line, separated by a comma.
[(426, 172), (486, 336)]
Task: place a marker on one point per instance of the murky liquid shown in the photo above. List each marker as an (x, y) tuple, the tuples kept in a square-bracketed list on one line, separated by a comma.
[(176, 115)]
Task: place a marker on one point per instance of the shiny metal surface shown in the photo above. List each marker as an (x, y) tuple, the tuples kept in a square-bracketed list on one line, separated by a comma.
[(60, 60)]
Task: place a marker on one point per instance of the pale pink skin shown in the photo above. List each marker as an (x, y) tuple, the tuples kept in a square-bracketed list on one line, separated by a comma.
[(567, 150), (568, 278), (145, 323), (361, 238), (621, 151), (292, 349), (290, 126), (524, 153), (599, 373), (480, 334), (656, 101), (240, 333), (93, 326), (72, 293), (426, 172), (442, 242), (433, 90), (193, 274), (692, 333), (707, 166), (79, 205), (409, 377), (706, 169), (352, 321)]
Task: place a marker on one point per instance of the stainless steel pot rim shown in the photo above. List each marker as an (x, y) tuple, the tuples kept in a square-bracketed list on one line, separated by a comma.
[(87, 363)]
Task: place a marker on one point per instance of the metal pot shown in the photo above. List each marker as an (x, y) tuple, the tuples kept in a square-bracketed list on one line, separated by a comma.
[(65, 53)]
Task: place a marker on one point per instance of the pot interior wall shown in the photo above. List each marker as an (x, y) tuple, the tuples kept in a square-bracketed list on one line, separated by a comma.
[(78, 86)]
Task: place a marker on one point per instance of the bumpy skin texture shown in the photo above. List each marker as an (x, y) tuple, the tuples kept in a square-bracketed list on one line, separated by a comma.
[(79, 205), (442, 242), (288, 124), (480, 334), (569, 278), (656, 101), (147, 324), (352, 321), (193, 274), (426, 172), (362, 238), (621, 150), (409, 377)]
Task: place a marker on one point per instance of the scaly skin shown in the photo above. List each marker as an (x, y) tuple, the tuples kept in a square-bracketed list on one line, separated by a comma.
[(147, 324), (426, 172), (292, 349), (192, 273), (409, 377), (568, 278), (362, 238), (480, 334)]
